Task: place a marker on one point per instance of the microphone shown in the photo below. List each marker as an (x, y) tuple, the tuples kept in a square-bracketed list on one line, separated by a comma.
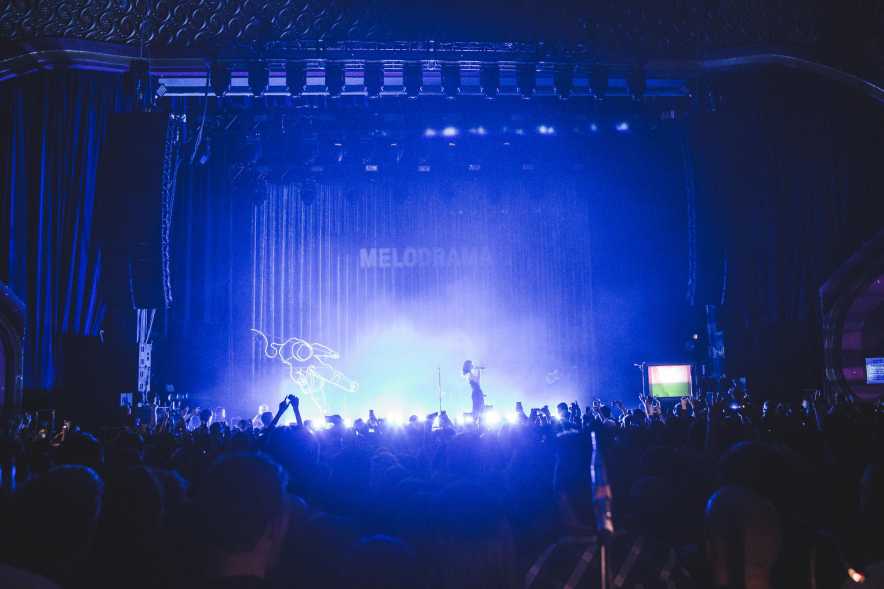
[(602, 497)]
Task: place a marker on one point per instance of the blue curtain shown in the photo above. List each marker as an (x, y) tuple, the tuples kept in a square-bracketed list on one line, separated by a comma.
[(53, 125)]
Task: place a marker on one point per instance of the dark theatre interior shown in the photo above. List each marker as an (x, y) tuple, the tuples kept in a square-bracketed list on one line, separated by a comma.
[(442, 295)]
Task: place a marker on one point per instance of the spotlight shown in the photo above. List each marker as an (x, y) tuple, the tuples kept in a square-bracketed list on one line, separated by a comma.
[(637, 83), (526, 77), (295, 78), (594, 127), (450, 80), (564, 80), (259, 78), (395, 418), (219, 78), (348, 423), (334, 79), (489, 77), (429, 132), (546, 130), (450, 132), (598, 82), (374, 79), (622, 126), (413, 76), (492, 417)]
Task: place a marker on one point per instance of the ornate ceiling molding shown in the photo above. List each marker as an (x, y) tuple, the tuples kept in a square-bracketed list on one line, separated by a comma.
[(676, 29)]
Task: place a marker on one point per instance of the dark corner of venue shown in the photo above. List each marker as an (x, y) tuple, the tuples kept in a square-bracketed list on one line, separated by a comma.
[(442, 295)]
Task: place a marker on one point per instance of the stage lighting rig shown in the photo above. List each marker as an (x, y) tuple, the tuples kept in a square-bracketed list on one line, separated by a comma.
[(489, 79), (334, 78), (598, 82), (564, 80), (374, 79), (295, 78), (451, 80), (527, 79), (258, 77), (413, 76), (219, 78), (637, 82)]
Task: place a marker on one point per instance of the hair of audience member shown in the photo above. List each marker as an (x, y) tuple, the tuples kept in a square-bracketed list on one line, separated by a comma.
[(205, 416), (53, 520), (81, 448), (297, 450), (743, 537), (571, 478), (474, 545), (759, 467), (871, 511), (243, 509), (266, 419), (130, 527), (382, 562)]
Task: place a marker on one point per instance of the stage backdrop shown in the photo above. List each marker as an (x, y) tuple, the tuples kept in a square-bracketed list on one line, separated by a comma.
[(407, 279)]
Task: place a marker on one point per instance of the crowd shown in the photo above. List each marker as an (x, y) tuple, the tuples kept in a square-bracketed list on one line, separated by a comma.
[(719, 492)]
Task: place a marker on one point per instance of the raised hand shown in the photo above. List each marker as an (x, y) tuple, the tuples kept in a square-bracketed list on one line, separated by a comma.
[(295, 402)]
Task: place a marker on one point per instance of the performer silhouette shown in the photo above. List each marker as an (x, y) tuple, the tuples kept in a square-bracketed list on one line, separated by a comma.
[(472, 373)]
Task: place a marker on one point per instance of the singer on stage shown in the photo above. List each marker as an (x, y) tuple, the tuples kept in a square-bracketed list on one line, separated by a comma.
[(472, 373)]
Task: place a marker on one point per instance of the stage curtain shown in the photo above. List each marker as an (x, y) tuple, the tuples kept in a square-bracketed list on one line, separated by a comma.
[(53, 124)]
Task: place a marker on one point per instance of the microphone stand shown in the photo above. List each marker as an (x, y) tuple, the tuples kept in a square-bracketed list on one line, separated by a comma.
[(439, 386)]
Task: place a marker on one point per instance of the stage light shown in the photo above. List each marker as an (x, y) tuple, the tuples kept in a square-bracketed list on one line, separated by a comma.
[(513, 418), (593, 127), (489, 77), (598, 82), (622, 126), (492, 417), (334, 79), (259, 78), (527, 79), (478, 130), (414, 79), (219, 79), (546, 130), (423, 168), (295, 78), (395, 418), (458, 419), (637, 83), (451, 80), (430, 133), (348, 423), (450, 132), (564, 80), (371, 167), (520, 131), (374, 79)]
